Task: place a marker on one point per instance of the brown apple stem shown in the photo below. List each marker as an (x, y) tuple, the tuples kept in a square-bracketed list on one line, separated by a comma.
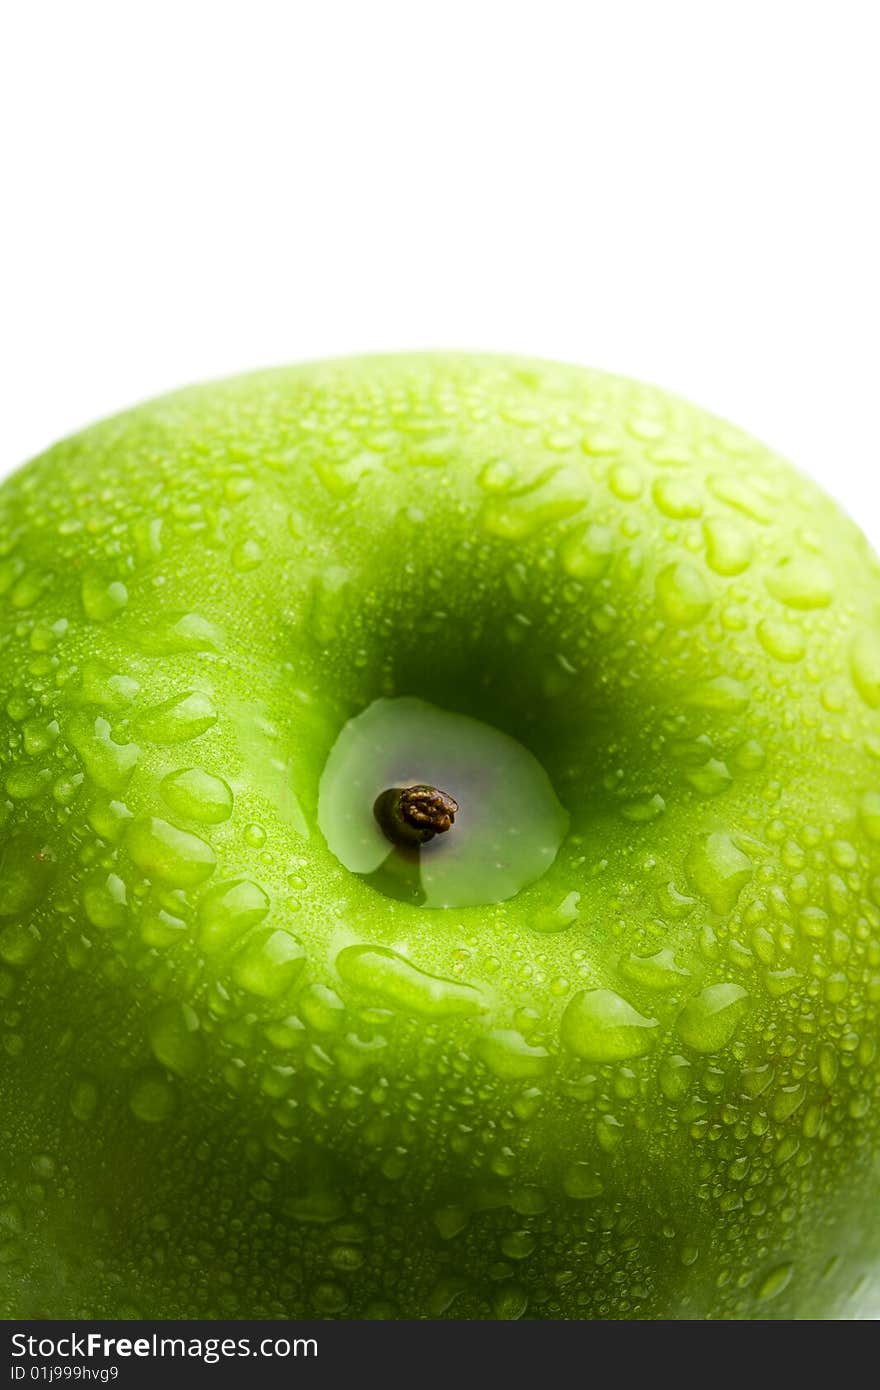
[(413, 815)]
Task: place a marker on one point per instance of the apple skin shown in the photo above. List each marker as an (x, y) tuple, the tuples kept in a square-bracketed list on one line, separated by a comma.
[(227, 1088)]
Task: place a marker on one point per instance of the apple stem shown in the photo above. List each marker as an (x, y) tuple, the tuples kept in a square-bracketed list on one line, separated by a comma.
[(413, 815)]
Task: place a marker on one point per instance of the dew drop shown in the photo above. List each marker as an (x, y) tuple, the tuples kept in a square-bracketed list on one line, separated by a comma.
[(102, 600), (728, 546), (674, 1076), (712, 778), (507, 1054), (719, 694), (247, 555), (19, 944), (560, 917), (718, 870), (105, 902), (586, 552), (781, 640), (181, 632), (708, 1022), (83, 1099), (656, 972), (229, 910), (774, 1283), (268, 963), (510, 1303), (26, 871), (677, 498), (177, 719), (803, 583), (108, 764), (625, 482), (176, 1039), (864, 665), (383, 973), (197, 795), (602, 1027), (151, 1098), (101, 686), (581, 1182), (682, 594), (163, 851)]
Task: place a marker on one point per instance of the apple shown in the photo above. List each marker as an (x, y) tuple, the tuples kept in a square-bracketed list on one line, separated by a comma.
[(439, 859)]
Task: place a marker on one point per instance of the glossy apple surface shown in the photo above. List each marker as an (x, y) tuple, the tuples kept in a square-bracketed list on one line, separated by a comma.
[(609, 1049)]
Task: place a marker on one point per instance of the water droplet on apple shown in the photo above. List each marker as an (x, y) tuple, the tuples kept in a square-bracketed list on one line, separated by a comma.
[(25, 781), (161, 928), (27, 868), (718, 694), (656, 972), (709, 1021), (742, 496), (600, 1026), (107, 763), (518, 1245), (728, 546), (786, 1101), (560, 917), (864, 665), (517, 516), (39, 736), (11, 569), (331, 603), (105, 902), (683, 596), (228, 910), (677, 498), (101, 686), (582, 1182), (30, 587), (586, 552), (385, 974), (496, 476), (322, 1009), (645, 809), (774, 1283), (829, 1063), (801, 583), (718, 869), (510, 1303), (176, 1038), (166, 853), (674, 1076), (178, 719), (197, 795), (710, 779), (625, 481), (268, 963), (450, 1221), (247, 555), (151, 1098), (19, 943), (507, 1054), (178, 633), (83, 1099), (781, 640), (102, 599)]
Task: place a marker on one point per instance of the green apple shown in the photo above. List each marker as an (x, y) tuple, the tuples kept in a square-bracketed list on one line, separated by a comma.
[(439, 859)]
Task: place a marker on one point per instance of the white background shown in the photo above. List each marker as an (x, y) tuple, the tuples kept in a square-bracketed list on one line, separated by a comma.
[(686, 192)]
